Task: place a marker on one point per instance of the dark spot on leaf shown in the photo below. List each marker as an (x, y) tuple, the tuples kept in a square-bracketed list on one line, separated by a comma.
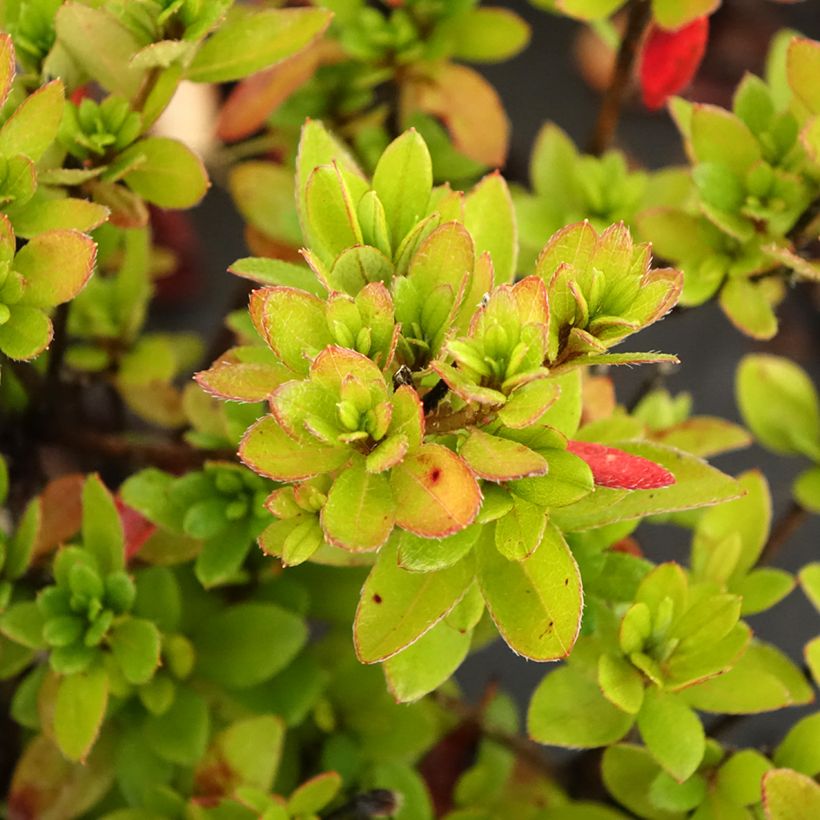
[(377, 599), (435, 475), (566, 582)]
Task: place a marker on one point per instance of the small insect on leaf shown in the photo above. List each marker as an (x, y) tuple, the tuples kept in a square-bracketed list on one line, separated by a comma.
[(617, 469)]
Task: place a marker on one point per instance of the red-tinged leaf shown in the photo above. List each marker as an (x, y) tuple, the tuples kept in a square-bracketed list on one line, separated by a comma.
[(615, 468), (469, 107), (438, 494), (136, 528), (670, 60), (62, 512), (254, 99)]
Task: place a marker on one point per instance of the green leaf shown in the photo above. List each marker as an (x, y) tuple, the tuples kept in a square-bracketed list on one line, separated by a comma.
[(26, 334), (697, 484), (7, 66), (41, 215), (268, 450), (806, 489), (568, 709), (674, 14), (810, 581), (719, 136), (672, 732), (536, 603), (802, 65), (519, 533), (278, 272), (569, 480), (397, 607), (167, 173), (748, 308), (180, 734), (428, 663), (247, 753), (79, 708), (101, 46), (136, 644), (33, 126), (252, 41), (762, 588), (780, 404), (20, 547), (314, 794), (23, 623), (56, 265), (439, 495), (628, 772), (359, 512), (489, 35), (403, 180), (788, 795), (429, 554), (222, 555), (749, 516), (247, 644), (739, 778), (800, 749), (763, 680), (620, 682), (490, 218), (332, 224), (101, 527), (499, 459)]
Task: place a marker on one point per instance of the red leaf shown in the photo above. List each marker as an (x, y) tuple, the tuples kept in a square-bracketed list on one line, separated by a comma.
[(620, 470), (670, 59), (136, 529)]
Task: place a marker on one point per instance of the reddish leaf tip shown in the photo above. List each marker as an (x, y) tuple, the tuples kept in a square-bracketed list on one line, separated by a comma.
[(615, 468)]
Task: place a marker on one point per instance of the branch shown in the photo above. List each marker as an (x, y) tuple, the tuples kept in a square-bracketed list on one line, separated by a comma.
[(783, 530), (638, 17), (176, 456)]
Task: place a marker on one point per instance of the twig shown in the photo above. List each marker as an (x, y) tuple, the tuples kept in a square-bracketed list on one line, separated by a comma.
[(637, 20), (171, 455), (783, 530)]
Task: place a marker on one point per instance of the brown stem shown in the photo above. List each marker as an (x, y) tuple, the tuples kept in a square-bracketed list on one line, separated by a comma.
[(175, 456), (523, 748), (638, 16), (55, 358), (783, 530)]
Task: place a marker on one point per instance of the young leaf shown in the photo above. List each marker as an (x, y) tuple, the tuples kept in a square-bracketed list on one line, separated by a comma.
[(136, 644), (568, 709), (489, 35), (499, 459), (780, 404), (33, 126), (403, 180), (359, 512), (672, 732), (102, 529), (79, 709), (101, 45), (169, 174), (314, 794), (180, 734), (536, 603), (490, 218), (397, 607), (56, 265), (253, 41), (26, 334)]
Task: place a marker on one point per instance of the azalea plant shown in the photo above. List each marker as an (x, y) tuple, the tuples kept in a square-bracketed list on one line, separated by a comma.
[(239, 576)]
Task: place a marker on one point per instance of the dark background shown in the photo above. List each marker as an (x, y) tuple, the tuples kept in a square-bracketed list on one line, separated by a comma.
[(544, 83)]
